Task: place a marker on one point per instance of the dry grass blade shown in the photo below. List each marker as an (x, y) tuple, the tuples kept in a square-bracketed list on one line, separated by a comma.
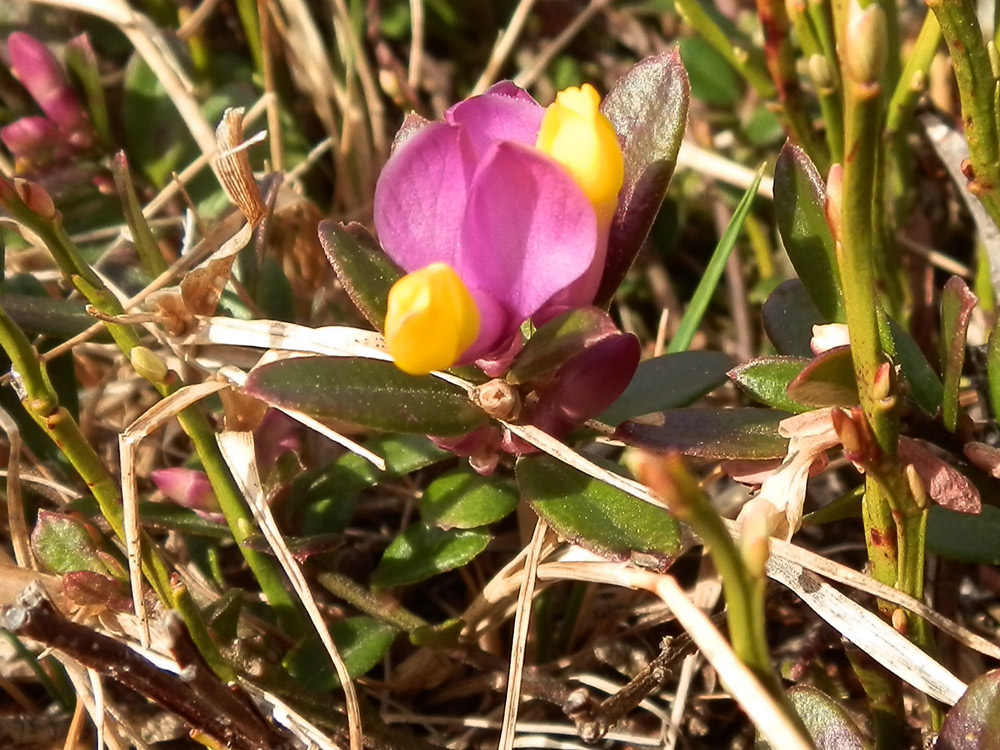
[(238, 450), (522, 618), (504, 46), (527, 77), (19, 537), (715, 167)]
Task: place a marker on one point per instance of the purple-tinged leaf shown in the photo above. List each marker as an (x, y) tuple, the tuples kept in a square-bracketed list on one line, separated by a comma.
[(89, 589), (766, 379), (828, 380), (957, 304), (800, 210), (558, 340), (362, 266), (648, 109), (789, 315), (595, 515), (945, 485), (974, 722), (667, 382), (719, 434), (365, 393), (829, 724)]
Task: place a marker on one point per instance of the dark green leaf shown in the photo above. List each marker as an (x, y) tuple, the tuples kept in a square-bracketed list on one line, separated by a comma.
[(800, 210), (963, 536), (974, 722), (713, 80), (924, 383), (709, 433), (365, 393), (828, 380), (648, 109), (789, 316), (829, 724), (462, 499), (61, 319), (558, 340), (595, 515), (766, 379), (421, 552), (668, 381), (364, 269), (361, 641)]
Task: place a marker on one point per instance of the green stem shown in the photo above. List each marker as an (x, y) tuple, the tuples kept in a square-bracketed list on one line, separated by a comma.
[(913, 81), (192, 421), (364, 600), (746, 61)]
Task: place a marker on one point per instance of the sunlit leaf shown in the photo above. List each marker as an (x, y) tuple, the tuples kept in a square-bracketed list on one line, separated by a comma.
[(421, 552), (766, 379), (709, 432), (462, 499), (361, 641)]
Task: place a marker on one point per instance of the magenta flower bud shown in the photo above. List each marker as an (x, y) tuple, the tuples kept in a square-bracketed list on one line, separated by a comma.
[(44, 78), (32, 140), (588, 384), (188, 488), (473, 192), (276, 435)]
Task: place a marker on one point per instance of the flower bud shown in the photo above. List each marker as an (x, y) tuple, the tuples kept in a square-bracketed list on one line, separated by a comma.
[(834, 199), (755, 538), (431, 320), (35, 197), (866, 41), (32, 140), (148, 364), (44, 78), (583, 141), (821, 73), (188, 488)]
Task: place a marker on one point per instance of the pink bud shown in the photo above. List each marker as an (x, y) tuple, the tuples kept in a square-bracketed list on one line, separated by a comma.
[(32, 140), (44, 78), (277, 434), (186, 487)]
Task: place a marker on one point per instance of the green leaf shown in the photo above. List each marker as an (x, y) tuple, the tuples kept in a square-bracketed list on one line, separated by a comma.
[(713, 79), (709, 433), (421, 552), (365, 393), (957, 304), (361, 641), (828, 380), (963, 536), (668, 381), (648, 109), (713, 273), (789, 315), (829, 724), (800, 210), (462, 499), (595, 515), (61, 319), (364, 269), (974, 722), (924, 383), (766, 379), (64, 544), (554, 343)]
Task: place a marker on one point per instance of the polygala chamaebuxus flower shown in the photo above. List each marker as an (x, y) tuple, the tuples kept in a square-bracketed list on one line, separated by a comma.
[(499, 214)]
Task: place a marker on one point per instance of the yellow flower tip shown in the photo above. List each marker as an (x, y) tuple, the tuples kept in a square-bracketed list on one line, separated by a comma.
[(431, 320), (576, 134)]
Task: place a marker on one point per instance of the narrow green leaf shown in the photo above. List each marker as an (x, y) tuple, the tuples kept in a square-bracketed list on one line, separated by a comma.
[(709, 433), (828, 380), (421, 552), (924, 383), (667, 382), (766, 379), (800, 210), (595, 515), (963, 536), (710, 279), (789, 315), (364, 269), (361, 641), (462, 499), (365, 393)]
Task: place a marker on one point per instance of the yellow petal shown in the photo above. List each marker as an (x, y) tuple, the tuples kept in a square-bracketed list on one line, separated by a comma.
[(582, 140), (432, 319)]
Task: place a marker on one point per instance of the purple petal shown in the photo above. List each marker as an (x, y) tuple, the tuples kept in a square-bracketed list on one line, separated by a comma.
[(186, 487), (46, 81), (33, 139), (420, 197), (529, 231), (503, 113)]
